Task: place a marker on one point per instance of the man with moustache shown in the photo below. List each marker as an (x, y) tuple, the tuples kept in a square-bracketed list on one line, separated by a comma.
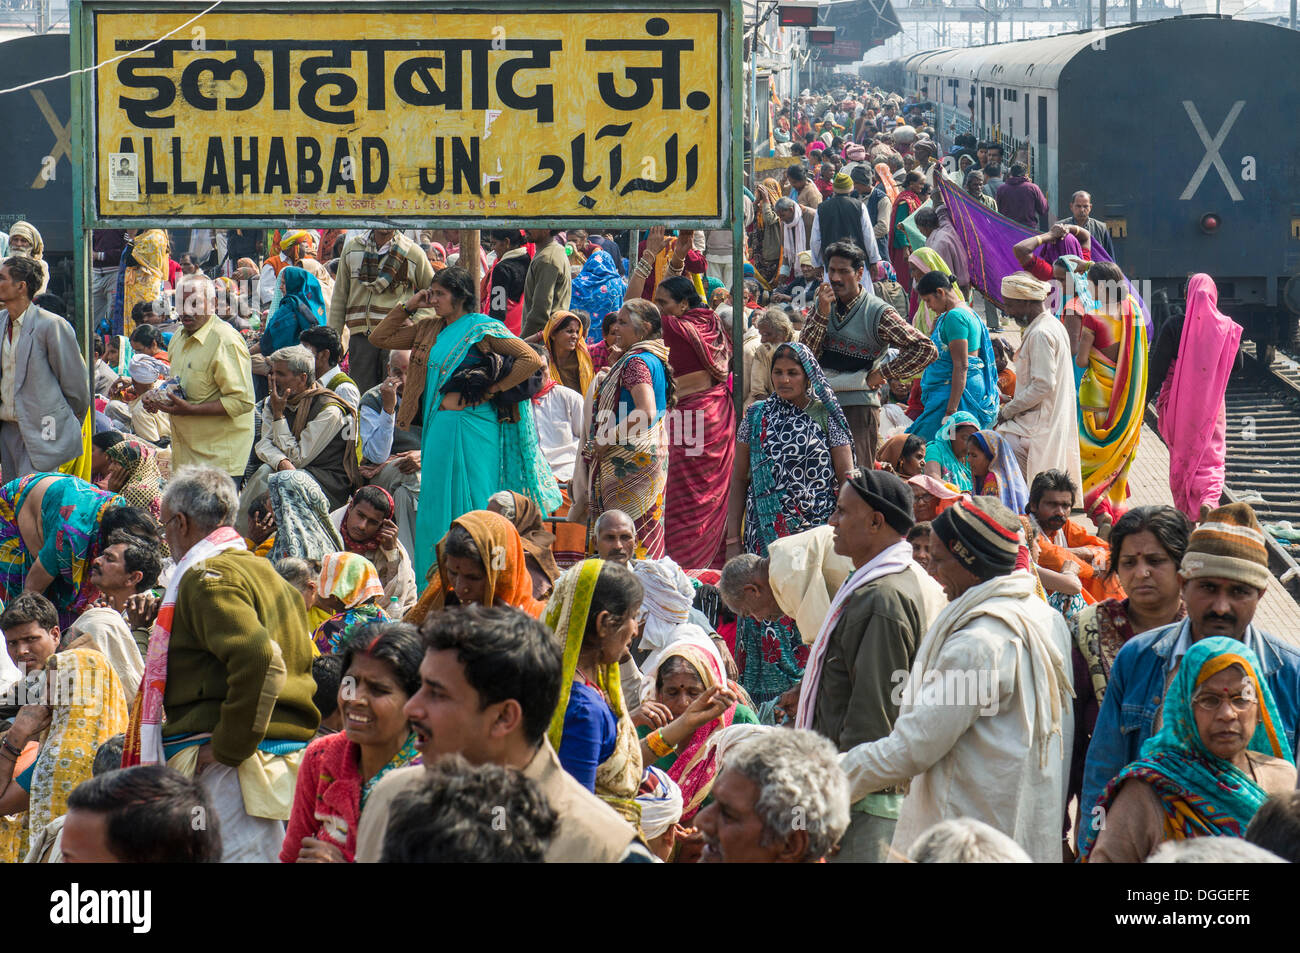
[(765, 780), (1052, 495), (489, 683), (1224, 573), (849, 331), (127, 565)]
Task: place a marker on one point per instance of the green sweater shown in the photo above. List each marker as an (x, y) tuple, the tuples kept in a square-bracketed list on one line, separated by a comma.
[(239, 661), (869, 652)]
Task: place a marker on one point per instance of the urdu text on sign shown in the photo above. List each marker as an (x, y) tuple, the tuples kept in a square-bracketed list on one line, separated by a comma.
[(588, 115)]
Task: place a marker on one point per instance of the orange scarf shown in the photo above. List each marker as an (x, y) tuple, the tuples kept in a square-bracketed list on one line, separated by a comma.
[(586, 370), (492, 534)]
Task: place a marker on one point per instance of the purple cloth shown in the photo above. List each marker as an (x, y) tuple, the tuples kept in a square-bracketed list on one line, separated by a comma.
[(1021, 201), (988, 239), (947, 243), (1068, 245)]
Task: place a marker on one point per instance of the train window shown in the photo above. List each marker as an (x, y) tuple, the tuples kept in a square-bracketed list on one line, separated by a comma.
[(1042, 120)]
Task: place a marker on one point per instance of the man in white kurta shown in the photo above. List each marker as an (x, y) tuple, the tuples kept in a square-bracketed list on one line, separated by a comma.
[(1041, 422), (985, 722)]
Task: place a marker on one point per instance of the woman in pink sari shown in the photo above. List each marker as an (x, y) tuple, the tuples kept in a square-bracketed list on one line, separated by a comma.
[(702, 433), (1194, 361), (692, 700)]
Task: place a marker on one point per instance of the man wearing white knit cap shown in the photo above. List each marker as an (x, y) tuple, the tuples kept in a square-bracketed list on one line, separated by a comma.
[(1041, 421)]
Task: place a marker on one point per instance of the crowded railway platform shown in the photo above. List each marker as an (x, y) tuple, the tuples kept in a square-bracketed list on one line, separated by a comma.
[(878, 511)]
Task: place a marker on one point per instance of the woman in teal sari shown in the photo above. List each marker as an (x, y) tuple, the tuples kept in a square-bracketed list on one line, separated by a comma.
[(49, 536), (1220, 753), (965, 376), (471, 447)]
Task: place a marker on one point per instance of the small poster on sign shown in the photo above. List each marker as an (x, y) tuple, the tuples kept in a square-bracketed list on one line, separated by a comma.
[(123, 181)]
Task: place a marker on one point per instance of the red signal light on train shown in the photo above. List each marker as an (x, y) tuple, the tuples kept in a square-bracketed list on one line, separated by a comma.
[(1210, 223)]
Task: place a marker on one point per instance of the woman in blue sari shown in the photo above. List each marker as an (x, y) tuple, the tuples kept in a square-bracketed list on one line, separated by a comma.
[(598, 289), (302, 306), (965, 377), (470, 448), (946, 454)]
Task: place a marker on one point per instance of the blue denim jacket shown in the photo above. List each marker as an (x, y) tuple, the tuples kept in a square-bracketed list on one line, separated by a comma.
[(1136, 691)]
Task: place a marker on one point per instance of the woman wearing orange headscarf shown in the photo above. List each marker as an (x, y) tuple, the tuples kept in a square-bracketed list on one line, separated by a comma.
[(570, 362), (480, 560)]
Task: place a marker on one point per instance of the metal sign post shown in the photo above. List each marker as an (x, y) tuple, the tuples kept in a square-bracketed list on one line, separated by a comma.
[(190, 118)]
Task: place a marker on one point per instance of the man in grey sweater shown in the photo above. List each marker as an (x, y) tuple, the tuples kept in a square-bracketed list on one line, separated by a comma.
[(549, 284)]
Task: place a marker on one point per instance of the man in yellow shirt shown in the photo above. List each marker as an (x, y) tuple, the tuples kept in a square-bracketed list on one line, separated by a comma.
[(213, 423)]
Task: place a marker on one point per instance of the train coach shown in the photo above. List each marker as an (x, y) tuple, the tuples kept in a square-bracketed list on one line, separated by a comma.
[(1181, 130), (35, 159)]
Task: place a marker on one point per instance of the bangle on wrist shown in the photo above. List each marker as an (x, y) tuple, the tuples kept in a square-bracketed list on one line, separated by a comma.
[(655, 742), (7, 746)]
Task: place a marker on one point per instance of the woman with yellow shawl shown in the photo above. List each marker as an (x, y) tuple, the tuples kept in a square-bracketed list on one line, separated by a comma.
[(594, 612), (480, 560), (92, 708), (921, 263), (146, 270), (1113, 348), (570, 362)]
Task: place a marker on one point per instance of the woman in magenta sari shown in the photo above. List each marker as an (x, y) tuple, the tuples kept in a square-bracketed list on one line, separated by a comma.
[(1193, 359), (702, 434)]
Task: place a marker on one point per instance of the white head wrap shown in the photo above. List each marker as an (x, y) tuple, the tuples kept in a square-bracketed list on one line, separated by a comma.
[(145, 370), (1024, 287), (666, 610), (667, 603), (661, 802)]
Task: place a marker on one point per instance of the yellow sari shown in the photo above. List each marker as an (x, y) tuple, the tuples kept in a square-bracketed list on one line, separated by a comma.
[(618, 777), (1111, 396), (144, 280), (90, 709)]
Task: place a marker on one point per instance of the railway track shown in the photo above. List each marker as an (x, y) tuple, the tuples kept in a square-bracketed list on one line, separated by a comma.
[(1263, 468)]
